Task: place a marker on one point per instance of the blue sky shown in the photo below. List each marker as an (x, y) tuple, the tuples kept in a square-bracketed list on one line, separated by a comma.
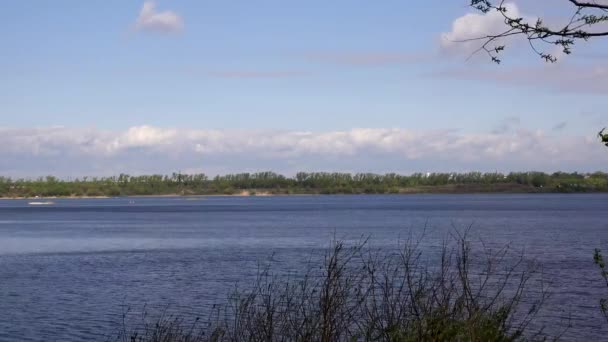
[(96, 70)]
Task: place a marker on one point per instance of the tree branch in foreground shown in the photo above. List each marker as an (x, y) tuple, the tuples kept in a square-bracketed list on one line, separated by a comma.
[(582, 24)]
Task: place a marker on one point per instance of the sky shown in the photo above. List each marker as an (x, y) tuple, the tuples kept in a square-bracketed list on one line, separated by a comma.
[(139, 87)]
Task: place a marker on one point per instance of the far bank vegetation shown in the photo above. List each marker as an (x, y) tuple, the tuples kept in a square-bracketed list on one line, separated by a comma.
[(270, 183)]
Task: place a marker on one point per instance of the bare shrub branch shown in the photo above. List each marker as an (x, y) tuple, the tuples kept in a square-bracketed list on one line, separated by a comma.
[(362, 293)]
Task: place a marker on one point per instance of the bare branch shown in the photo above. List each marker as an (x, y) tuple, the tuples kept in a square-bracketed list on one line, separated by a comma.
[(579, 27)]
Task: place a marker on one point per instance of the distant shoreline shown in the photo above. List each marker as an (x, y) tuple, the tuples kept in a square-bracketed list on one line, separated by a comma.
[(256, 193), (150, 196), (303, 183)]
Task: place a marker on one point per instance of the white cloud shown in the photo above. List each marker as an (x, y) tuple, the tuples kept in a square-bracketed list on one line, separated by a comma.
[(564, 77), (251, 74), (141, 136), (151, 20), (478, 25), (368, 58), (148, 149)]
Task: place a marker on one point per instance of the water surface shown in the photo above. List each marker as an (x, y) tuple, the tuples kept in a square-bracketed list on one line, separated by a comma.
[(67, 271)]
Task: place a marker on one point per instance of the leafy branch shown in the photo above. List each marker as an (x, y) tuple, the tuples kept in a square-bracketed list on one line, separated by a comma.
[(586, 16)]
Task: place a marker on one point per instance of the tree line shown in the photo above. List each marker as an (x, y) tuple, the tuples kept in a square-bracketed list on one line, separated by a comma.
[(304, 183)]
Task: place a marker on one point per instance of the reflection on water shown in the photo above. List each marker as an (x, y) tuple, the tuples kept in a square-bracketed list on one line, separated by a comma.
[(68, 270)]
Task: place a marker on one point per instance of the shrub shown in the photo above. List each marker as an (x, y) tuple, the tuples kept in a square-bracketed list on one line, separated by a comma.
[(598, 259), (358, 293)]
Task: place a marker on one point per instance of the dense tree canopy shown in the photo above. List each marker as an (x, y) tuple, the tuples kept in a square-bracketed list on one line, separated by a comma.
[(304, 183)]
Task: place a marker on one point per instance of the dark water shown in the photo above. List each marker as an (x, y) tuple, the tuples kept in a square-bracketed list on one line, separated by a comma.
[(67, 271)]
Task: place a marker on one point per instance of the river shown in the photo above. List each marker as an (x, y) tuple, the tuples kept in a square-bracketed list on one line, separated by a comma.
[(69, 270)]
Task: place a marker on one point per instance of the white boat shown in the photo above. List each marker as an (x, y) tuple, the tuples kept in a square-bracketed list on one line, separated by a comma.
[(41, 203)]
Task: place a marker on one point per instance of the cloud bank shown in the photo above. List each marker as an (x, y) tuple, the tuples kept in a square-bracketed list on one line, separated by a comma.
[(150, 19), (146, 149)]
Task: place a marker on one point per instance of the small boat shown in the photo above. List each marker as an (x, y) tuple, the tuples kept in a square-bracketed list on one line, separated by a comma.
[(41, 203)]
